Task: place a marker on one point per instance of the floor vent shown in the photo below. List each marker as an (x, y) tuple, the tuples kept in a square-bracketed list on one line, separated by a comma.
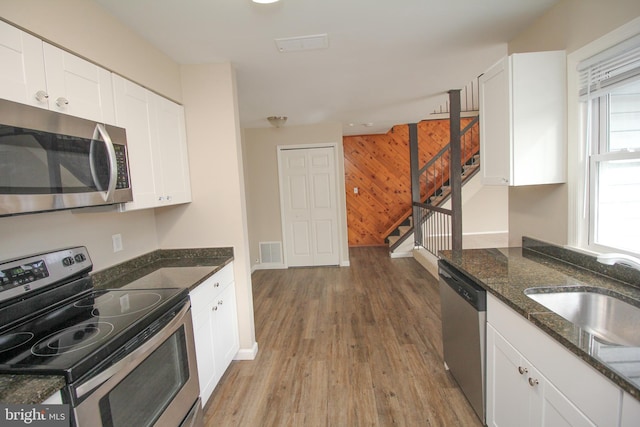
[(270, 252)]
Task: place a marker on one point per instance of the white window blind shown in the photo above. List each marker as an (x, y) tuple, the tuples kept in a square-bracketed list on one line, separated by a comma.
[(609, 69)]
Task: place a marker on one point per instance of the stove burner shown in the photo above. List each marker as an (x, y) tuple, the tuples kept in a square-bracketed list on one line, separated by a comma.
[(11, 341), (72, 339), (128, 303)]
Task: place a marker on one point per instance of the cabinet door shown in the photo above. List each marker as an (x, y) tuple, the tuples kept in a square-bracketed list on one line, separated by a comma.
[(508, 399), (157, 146), (555, 409), (22, 71), (226, 340), (630, 411), (495, 128), (173, 161), (538, 92), (134, 113), (203, 300), (78, 87), (205, 358)]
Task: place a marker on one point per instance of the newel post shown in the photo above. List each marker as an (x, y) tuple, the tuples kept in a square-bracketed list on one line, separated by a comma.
[(455, 170)]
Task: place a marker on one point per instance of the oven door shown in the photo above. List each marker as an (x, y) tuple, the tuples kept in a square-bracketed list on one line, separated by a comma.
[(156, 384)]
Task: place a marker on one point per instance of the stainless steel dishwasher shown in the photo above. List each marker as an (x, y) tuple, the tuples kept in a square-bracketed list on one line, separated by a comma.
[(463, 306)]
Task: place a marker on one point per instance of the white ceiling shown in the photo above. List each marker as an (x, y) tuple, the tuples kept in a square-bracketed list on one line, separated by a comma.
[(388, 61)]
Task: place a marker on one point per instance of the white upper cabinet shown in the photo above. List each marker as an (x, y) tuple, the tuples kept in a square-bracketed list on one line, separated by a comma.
[(173, 156), (157, 146), (522, 120), (41, 75), (22, 76), (78, 87)]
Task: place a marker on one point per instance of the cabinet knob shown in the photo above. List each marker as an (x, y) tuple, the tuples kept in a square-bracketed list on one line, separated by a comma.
[(533, 382), (220, 302), (215, 308), (522, 370), (62, 102), (216, 285), (168, 197), (42, 96)]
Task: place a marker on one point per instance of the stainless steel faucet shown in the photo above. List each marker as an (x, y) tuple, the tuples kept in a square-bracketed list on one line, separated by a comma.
[(623, 259)]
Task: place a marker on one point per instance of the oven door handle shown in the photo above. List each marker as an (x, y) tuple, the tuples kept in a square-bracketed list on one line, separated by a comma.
[(138, 353)]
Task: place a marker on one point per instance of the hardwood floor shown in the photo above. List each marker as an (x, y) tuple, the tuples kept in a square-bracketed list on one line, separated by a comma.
[(344, 346)]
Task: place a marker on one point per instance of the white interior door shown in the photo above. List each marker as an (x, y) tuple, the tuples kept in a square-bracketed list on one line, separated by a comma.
[(309, 206)]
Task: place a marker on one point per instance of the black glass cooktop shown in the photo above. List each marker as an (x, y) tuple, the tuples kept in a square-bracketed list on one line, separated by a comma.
[(72, 339)]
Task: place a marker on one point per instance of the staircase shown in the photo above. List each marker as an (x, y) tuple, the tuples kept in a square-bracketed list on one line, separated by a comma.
[(434, 181)]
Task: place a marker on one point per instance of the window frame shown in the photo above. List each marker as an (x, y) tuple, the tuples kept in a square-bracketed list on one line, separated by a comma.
[(580, 190), (601, 153)]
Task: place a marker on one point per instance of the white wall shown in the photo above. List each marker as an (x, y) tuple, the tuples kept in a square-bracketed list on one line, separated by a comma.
[(263, 185), (27, 234), (542, 211), (217, 215), (485, 219)]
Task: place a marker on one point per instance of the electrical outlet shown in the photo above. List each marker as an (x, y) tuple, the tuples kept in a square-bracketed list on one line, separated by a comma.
[(117, 242)]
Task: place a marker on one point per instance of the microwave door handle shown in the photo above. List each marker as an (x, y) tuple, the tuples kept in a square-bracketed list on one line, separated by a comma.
[(131, 358), (100, 131)]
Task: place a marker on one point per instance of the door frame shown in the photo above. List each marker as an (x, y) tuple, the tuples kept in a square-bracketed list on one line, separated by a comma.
[(337, 181)]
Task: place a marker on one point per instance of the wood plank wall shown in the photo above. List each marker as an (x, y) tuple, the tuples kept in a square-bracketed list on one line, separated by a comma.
[(378, 165)]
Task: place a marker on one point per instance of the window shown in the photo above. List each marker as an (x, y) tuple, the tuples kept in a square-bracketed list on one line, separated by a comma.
[(610, 92)]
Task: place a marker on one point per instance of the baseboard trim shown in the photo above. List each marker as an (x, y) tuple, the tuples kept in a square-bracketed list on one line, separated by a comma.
[(268, 266), (247, 353), (401, 254)]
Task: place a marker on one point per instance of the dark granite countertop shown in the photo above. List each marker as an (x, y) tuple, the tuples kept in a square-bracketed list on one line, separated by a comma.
[(507, 272), (28, 389), (164, 268)]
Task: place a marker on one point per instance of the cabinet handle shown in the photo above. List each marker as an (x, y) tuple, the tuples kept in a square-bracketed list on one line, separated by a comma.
[(533, 382), (41, 96), (522, 370), (62, 102)]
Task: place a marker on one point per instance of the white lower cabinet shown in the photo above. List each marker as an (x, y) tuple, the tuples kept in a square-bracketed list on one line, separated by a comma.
[(215, 325), (534, 381), (519, 395), (630, 411)]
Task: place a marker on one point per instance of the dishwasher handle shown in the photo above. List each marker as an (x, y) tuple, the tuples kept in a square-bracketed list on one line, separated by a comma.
[(470, 291)]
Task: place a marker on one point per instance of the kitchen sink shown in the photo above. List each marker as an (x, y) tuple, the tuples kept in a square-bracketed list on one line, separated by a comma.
[(600, 312)]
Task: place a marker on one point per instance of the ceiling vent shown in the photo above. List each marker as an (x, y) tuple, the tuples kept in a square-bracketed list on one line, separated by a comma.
[(294, 44)]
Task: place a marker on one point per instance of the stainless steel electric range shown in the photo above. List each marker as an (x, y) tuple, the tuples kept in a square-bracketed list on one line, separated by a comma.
[(127, 356)]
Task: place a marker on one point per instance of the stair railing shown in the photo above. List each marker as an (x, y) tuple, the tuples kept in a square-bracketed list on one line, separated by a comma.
[(432, 229)]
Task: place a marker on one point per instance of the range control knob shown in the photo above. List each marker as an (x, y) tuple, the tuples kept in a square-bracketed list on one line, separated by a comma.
[(80, 258), (67, 261)]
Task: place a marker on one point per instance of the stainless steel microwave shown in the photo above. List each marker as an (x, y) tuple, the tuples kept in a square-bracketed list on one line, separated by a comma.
[(51, 161)]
